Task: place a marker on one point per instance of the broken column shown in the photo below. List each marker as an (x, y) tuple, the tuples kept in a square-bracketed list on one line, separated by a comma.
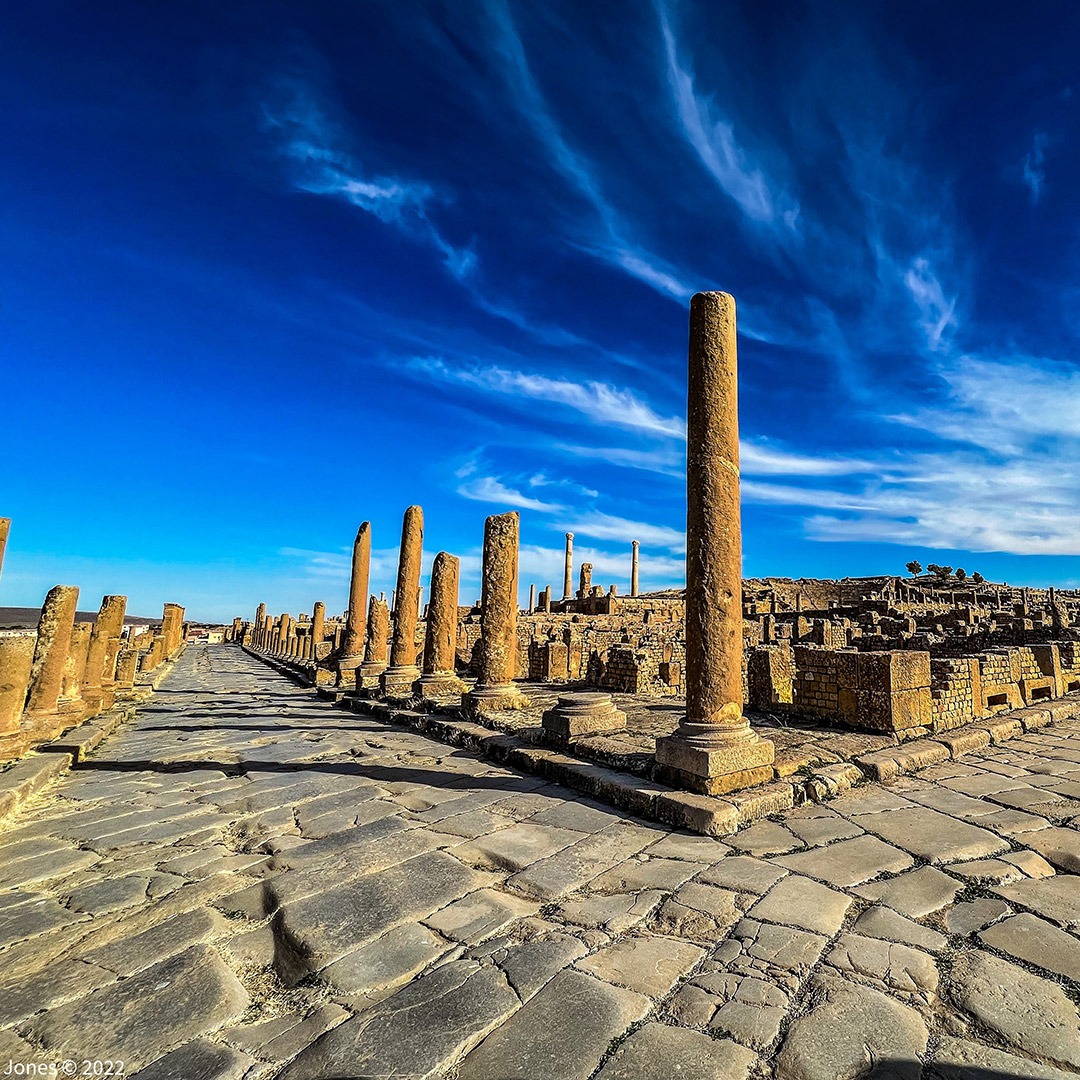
[(633, 568), (585, 582), (713, 750), (497, 653), (42, 719), (568, 568), (582, 714), (16, 659), (71, 700), (351, 653), (172, 628), (127, 663), (398, 678), (318, 626), (375, 648), (5, 528), (440, 644), (97, 682)]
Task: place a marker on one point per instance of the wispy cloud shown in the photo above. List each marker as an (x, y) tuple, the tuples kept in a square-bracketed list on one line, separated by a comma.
[(320, 163), (491, 489), (601, 402), (1034, 167), (602, 526), (936, 310), (761, 458), (666, 459)]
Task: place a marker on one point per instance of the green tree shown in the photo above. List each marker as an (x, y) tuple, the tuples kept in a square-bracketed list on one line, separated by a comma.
[(914, 568)]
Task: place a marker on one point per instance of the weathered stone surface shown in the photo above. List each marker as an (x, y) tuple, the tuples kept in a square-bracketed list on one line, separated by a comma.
[(800, 902), (751, 1010), (1025, 1010), (419, 1032), (883, 922), (1056, 898), (781, 954), (660, 1052), (765, 838), (1037, 942), (139, 1019), (1061, 847), (109, 894), (894, 967), (534, 1043), (988, 871), (646, 963), (850, 1029), (517, 847), (849, 862), (915, 893), (973, 915), (131, 954), (20, 998), (743, 873), (932, 836), (614, 912), (479, 915), (956, 1059), (700, 912), (529, 966), (199, 1060), (636, 874), (389, 960)]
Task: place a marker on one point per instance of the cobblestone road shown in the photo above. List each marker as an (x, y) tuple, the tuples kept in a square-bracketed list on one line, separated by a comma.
[(249, 883)]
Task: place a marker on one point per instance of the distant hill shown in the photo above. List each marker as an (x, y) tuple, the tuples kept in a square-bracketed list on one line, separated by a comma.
[(26, 618)]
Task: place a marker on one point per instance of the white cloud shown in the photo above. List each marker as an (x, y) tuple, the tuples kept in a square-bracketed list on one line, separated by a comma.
[(1034, 167), (602, 526), (936, 310), (601, 402), (764, 459), (490, 489), (668, 460)]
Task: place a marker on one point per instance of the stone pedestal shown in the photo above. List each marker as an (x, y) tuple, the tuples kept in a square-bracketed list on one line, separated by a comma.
[(713, 750), (440, 642), (495, 690), (398, 678), (16, 659), (582, 714), (42, 719)]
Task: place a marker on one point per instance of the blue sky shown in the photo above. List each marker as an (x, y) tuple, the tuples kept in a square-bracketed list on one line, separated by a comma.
[(272, 269)]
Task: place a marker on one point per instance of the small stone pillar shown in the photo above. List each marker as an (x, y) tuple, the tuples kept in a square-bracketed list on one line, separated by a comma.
[(634, 546), (376, 646), (42, 719), (71, 700), (495, 690), (351, 654), (545, 600), (16, 659), (172, 628), (714, 749), (568, 568), (532, 599), (260, 614), (585, 583), (127, 662), (97, 682), (440, 643), (398, 678)]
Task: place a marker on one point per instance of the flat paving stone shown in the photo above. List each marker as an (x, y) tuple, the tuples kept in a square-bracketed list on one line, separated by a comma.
[(882, 922), (799, 902), (973, 915), (517, 847), (743, 873), (614, 912), (849, 862), (895, 967), (534, 1042), (1037, 942), (1056, 898), (638, 874), (139, 1019), (480, 915), (916, 893), (647, 963), (108, 894), (958, 1059), (391, 959), (765, 838), (931, 836), (199, 1060), (1027, 1011), (1060, 847), (660, 1052)]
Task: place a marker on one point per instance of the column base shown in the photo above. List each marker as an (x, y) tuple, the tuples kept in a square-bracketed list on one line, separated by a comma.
[(582, 714), (714, 769), (440, 684), (346, 671), (397, 680), (484, 700)]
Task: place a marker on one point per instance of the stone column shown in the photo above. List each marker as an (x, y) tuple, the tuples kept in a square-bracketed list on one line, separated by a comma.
[(71, 700), (568, 568), (16, 659), (42, 719), (585, 584), (532, 599), (96, 684), (440, 642), (268, 632), (126, 664), (260, 614), (398, 678), (545, 600), (375, 648), (495, 689), (351, 654), (713, 750), (5, 528), (173, 618), (318, 624), (633, 568)]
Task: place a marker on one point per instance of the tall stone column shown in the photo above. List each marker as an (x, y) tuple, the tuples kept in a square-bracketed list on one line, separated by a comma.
[(351, 654), (5, 529), (318, 623), (96, 684), (268, 633), (440, 642), (42, 719), (633, 567), (16, 659), (398, 678), (376, 646), (260, 614), (532, 599), (545, 600), (714, 749), (284, 630), (495, 689), (172, 627), (568, 568)]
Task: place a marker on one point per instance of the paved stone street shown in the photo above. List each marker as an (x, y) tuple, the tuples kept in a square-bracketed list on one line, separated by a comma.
[(246, 882)]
